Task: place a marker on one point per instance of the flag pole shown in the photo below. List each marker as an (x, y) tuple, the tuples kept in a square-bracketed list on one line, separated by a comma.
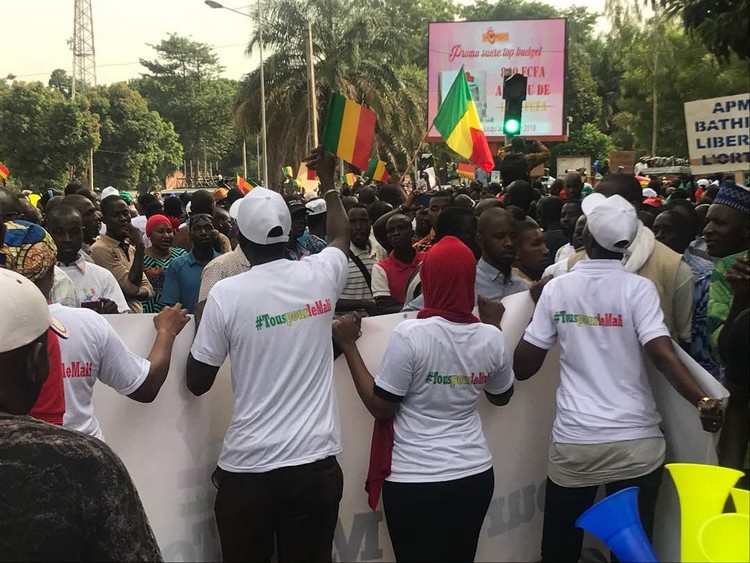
[(311, 86)]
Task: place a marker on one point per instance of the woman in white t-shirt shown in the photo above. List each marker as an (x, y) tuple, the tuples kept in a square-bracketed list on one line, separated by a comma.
[(438, 477)]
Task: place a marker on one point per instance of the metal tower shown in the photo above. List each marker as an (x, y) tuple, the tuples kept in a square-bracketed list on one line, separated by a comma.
[(84, 63)]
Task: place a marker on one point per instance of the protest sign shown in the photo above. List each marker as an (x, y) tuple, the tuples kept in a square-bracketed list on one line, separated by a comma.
[(170, 448), (718, 134)]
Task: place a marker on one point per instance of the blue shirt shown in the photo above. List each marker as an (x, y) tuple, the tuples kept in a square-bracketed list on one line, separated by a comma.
[(489, 283), (182, 283)]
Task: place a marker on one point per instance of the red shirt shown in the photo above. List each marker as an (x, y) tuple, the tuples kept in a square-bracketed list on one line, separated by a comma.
[(50, 405), (398, 274)]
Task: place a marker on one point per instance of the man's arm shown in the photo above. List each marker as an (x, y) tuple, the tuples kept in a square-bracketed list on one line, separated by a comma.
[(527, 360), (346, 305), (738, 278), (200, 377), (169, 323), (337, 223), (386, 305), (736, 431), (108, 259), (135, 275), (661, 351)]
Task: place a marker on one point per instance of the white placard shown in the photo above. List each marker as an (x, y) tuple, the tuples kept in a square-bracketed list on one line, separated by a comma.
[(171, 446), (718, 134)]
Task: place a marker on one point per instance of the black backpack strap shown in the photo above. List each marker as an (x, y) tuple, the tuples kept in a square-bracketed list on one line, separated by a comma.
[(362, 268)]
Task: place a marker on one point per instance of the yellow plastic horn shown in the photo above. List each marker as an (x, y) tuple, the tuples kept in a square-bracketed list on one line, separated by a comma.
[(725, 538), (703, 491), (741, 499)]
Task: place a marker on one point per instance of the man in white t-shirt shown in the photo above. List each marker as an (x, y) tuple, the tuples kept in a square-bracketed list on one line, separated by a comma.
[(278, 474), (606, 431), (96, 287)]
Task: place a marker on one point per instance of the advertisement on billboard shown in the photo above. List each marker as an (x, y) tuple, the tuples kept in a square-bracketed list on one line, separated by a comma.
[(489, 51)]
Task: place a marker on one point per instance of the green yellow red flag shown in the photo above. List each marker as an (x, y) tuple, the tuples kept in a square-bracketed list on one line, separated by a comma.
[(349, 130), (376, 171), (4, 172), (458, 122)]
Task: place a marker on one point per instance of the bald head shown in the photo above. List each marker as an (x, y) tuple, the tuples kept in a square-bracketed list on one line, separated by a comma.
[(399, 231), (485, 204), (624, 185), (491, 217)]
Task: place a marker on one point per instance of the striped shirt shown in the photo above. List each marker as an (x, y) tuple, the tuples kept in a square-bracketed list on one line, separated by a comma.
[(356, 285)]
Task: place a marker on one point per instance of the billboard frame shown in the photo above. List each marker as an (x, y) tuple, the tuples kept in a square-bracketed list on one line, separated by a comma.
[(501, 138)]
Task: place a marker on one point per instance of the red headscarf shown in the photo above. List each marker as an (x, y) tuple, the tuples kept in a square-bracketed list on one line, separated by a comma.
[(156, 220), (448, 273)]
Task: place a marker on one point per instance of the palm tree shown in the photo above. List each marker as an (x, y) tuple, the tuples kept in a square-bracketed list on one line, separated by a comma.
[(355, 54)]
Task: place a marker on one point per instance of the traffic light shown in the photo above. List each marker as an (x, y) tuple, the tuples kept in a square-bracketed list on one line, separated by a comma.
[(514, 93)]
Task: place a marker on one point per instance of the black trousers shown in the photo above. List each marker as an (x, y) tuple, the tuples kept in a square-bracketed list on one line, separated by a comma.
[(298, 505), (561, 540), (437, 521)]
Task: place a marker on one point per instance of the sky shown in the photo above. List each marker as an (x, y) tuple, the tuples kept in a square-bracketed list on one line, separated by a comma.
[(36, 32)]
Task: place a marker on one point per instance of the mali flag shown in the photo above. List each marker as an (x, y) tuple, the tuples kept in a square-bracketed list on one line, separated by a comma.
[(4, 172), (465, 170), (376, 171), (349, 131), (458, 123), (287, 171)]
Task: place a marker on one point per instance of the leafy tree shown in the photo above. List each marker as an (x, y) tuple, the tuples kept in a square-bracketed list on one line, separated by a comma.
[(60, 80), (588, 141), (353, 50), (684, 71), (720, 25), (43, 134), (184, 87), (139, 148)]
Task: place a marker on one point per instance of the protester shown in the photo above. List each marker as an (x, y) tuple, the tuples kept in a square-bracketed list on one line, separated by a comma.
[(439, 202), (157, 259), (485, 204), (496, 277), (174, 211), (93, 351), (441, 468), (313, 240), (651, 259), (458, 222), (92, 223), (85, 506), (573, 188), (576, 242), (532, 256), (201, 202), (357, 294), (294, 249), (97, 288), (569, 215), (519, 194), (224, 224), (549, 212), (121, 251), (278, 480), (727, 234), (145, 204), (390, 276), (222, 267), (606, 431), (182, 281), (27, 249)]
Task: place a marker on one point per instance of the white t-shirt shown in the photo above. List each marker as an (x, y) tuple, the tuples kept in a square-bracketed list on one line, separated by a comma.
[(441, 369), (603, 316), (274, 323), (94, 282), (93, 352)]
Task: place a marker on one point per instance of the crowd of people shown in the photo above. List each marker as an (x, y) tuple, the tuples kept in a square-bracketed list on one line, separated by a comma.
[(617, 271)]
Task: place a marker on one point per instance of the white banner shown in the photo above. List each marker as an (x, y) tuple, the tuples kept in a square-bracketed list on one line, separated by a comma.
[(171, 446), (718, 134)]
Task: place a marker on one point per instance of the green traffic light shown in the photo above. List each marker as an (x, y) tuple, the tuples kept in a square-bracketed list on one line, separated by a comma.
[(511, 126)]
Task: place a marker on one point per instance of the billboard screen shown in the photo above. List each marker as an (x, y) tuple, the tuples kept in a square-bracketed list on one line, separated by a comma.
[(489, 50)]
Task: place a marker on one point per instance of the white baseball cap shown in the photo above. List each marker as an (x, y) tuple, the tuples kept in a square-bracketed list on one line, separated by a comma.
[(108, 191), (316, 207), (262, 211), (702, 182), (612, 221), (27, 311), (649, 192)]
